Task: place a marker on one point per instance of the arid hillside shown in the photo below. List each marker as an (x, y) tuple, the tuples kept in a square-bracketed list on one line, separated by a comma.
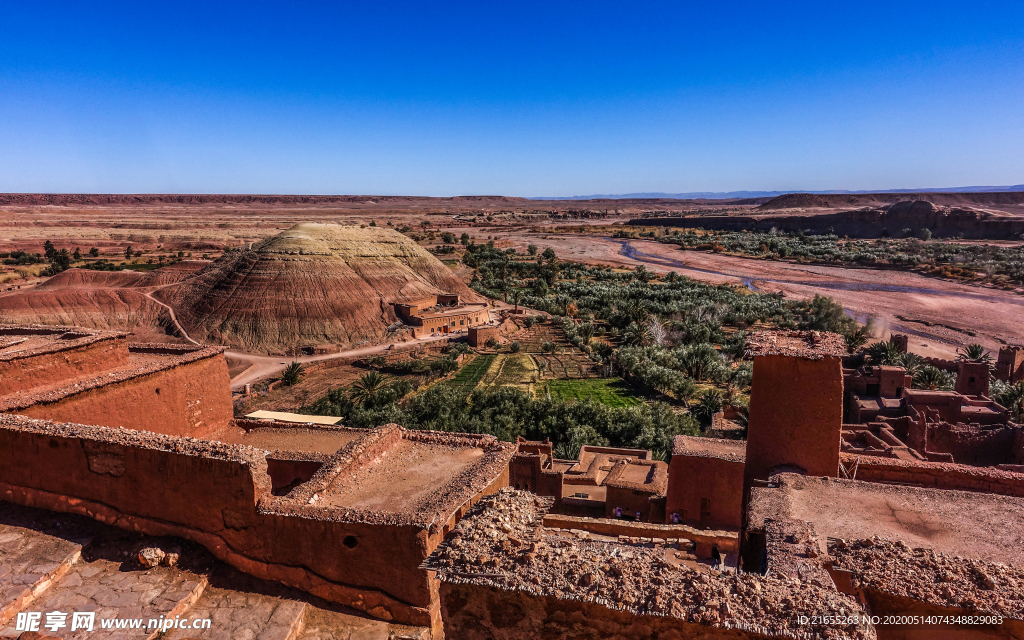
[(100, 300), (312, 284)]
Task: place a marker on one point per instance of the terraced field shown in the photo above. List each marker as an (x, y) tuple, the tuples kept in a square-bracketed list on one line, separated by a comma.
[(471, 373), (512, 370), (613, 392)]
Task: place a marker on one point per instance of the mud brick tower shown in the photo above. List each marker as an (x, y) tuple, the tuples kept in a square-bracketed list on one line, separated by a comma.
[(796, 407)]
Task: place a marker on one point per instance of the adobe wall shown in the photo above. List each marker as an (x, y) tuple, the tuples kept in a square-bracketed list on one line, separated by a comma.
[(1010, 365), (479, 336), (192, 398), (474, 612), (972, 379), (55, 367), (219, 495), (693, 478), (796, 416), (938, 475), (726, 541), (972, 445)]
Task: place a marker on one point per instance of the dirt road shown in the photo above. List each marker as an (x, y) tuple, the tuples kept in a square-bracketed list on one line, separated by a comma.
[(266, 366)]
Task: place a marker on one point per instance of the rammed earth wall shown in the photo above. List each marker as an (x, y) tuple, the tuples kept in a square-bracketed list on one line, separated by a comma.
[(186, 396), (85, 356), (219, 495)]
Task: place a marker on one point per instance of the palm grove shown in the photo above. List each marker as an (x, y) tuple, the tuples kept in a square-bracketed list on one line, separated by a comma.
[(678, 341)]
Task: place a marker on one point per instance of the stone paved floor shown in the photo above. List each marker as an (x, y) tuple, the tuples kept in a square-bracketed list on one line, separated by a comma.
[(102, 586)]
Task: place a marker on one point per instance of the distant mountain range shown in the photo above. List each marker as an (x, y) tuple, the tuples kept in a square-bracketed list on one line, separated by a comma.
[(731, 195)]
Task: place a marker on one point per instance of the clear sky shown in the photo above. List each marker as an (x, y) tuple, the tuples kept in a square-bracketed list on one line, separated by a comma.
[(516, 98)]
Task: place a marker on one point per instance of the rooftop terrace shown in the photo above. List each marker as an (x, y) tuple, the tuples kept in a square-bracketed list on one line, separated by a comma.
[(972, 525)]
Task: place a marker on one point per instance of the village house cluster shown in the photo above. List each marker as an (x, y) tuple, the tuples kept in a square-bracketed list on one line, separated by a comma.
[(853, 498)]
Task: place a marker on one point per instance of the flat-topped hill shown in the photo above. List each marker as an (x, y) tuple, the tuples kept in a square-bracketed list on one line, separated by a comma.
[(314, 283), (987, 199)]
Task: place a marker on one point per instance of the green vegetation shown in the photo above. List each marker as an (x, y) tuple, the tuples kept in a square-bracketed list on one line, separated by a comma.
[(675, 343), (470, 374), (292, 374), (611, 392), (1001, 263), (507, 412)]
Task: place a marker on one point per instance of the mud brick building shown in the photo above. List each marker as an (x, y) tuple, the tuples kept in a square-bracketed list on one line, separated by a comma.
[(141, 436), (445, 313)]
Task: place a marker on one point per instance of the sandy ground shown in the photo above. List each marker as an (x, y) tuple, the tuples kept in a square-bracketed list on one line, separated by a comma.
[(938, 315)]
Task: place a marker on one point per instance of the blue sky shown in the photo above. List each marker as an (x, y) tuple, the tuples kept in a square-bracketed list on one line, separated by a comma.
[(516, 98)]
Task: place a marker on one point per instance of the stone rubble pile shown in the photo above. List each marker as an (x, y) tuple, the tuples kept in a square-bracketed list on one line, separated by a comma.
[(923, 574), (502, 544)]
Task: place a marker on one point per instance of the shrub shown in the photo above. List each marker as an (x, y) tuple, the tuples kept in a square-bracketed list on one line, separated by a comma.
[(292, 374), (514, 346)]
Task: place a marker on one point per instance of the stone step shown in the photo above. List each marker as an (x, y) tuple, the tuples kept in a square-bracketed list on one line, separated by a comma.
[(30, 562), (242, 616), (113, 591), (324, 624)]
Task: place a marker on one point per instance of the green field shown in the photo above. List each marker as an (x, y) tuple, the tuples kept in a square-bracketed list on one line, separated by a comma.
[(613, 392), (469, 375)]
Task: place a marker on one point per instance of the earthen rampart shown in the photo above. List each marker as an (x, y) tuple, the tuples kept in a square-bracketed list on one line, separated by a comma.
[(37, 356), (220, 495), (938, 475), (183, 394)]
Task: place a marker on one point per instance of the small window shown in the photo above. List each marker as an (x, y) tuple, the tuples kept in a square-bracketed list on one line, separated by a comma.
[(705, 508)]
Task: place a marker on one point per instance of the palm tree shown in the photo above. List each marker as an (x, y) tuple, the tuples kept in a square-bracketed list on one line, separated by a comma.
[(637, 335), (585, 332), (929, 377), (974, 353), (517, 297), (913, 363), (292, 374), (855, 340), (888, 353), (367, 387), (1012, 397)]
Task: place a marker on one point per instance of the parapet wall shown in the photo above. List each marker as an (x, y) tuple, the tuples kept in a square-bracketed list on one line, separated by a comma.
[(219, 495), (188, 395), (937, 475), (81, 356), (726, 541)]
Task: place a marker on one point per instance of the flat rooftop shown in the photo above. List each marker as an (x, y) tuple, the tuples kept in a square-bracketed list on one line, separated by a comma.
[(971, 525), (143, 359), (31, 340), (402, 477), (811, 345), (734, 450), (390, 475)]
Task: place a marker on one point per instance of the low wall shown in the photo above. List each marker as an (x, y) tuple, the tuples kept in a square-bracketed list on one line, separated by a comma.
[(54, 366), (219, 495), (726, 541), (191, 398), (937, 475)]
